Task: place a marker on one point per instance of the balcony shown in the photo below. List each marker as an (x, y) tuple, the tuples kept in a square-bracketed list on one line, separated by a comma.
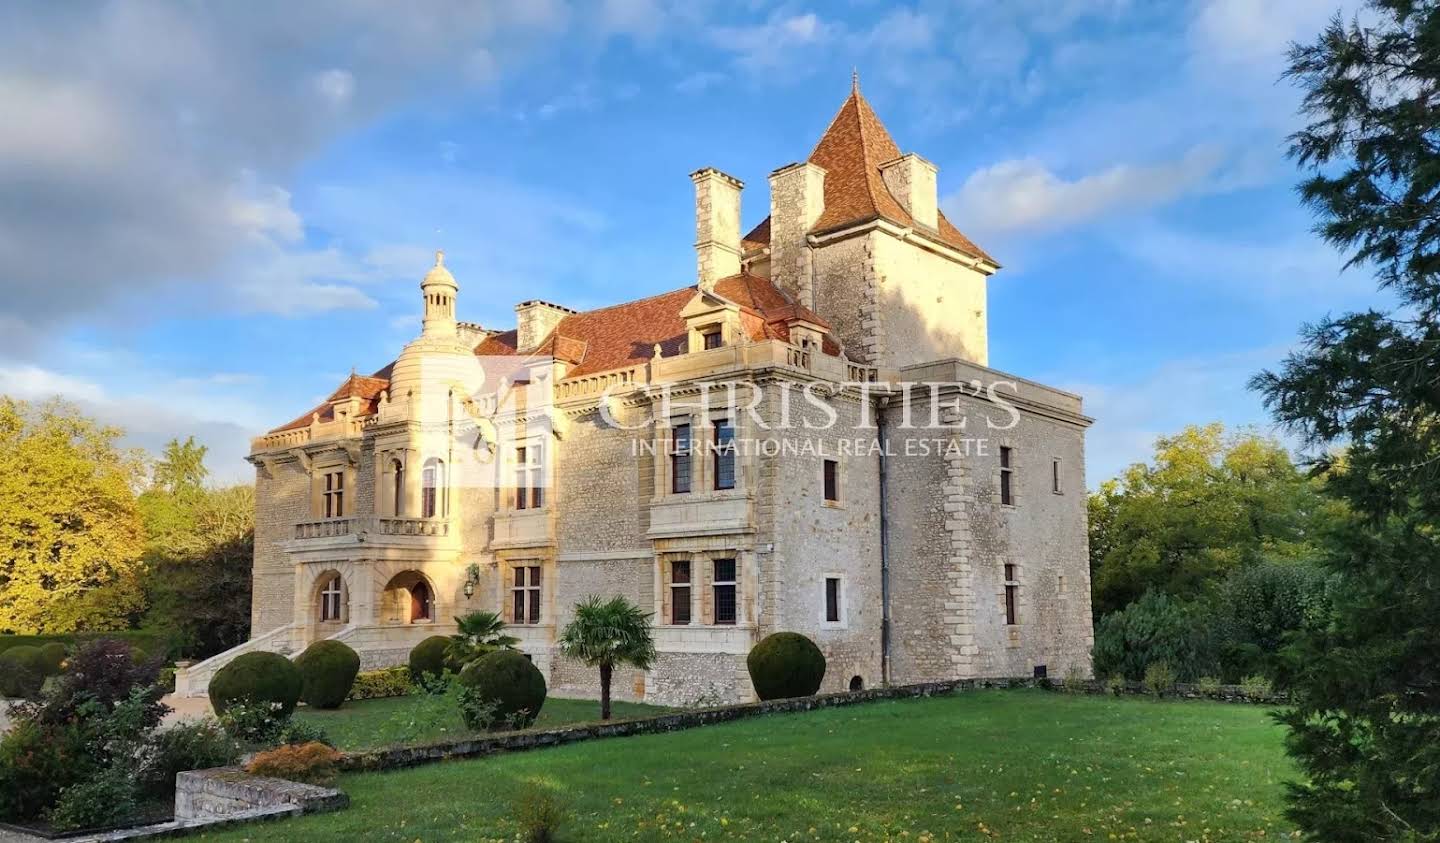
[(523, 528), (340, 534), (701, 514)]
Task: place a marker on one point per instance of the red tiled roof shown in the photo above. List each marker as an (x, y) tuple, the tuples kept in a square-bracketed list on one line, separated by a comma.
[(851, 151), (366, 388), (626, 334)]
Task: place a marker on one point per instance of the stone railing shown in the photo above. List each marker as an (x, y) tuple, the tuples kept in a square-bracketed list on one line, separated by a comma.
[(395, 526), (797, 357), (344, 427), (598, 383), (856, 373), (379, 525), (327, 528)]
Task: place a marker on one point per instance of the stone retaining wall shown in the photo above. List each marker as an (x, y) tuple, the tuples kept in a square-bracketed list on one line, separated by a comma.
[(410, 756)]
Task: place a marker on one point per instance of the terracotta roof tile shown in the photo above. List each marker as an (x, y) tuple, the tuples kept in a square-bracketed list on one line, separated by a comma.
[(626, 334), (366, 388), (851, 151)]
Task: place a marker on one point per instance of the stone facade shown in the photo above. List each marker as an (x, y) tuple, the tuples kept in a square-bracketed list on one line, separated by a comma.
[(522, 471)]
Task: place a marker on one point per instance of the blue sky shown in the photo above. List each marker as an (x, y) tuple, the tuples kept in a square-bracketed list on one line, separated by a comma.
[(210, 213)]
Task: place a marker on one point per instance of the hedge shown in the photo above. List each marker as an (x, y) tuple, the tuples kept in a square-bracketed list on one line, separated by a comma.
[(257, 677), (327, 671), (785, 664), (379, 684), (150, 642), (510, 681)]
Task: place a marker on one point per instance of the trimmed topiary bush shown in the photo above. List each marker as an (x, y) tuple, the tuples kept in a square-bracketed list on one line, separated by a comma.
[(429, 656), (509, 681), (257, 678), (22, 672), (786, 664), (53, 656), (327, 671)]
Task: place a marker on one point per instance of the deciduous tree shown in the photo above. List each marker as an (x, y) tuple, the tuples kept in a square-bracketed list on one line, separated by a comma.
[(70, 533)]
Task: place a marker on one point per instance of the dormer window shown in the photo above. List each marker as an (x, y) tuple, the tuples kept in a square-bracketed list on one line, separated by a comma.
[(712, 338)]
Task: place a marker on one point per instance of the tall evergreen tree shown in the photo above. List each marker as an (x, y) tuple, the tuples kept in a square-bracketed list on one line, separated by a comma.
[(1366, 726)]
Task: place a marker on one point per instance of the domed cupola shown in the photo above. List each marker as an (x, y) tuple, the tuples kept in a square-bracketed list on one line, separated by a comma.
[(438, 361)]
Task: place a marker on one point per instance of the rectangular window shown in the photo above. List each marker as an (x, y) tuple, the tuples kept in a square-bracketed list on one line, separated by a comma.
[(525, 594), (1012, 593), (680, 592), (724, 586), (528, 491), (832, 481), (832, 599), (335, 494), (724, 454), (712, 339), (680, 459), (428, 481), (1055, 476), (522, 480), (1007, 471)]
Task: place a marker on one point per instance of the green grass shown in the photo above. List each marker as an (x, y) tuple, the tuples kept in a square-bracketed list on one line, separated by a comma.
[(393, 721), (1007, 765)]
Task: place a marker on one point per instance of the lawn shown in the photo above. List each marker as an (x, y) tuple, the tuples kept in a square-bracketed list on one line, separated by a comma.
[(1008, 765), (372, 724)]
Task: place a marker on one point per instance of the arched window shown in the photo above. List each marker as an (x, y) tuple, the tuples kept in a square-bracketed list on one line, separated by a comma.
[(397, 469), (332, 597), (432, 489)]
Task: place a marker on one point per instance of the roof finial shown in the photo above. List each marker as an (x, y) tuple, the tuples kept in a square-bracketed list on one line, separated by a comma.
[(854, 80), (439, 257)]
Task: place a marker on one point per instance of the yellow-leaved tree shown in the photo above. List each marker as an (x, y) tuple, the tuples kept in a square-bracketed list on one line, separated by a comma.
[(70, 534)]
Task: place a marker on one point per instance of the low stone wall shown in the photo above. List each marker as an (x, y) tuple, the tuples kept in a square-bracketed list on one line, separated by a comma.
[(410, 756), (1191, 691), (226, 791), (209, 799)]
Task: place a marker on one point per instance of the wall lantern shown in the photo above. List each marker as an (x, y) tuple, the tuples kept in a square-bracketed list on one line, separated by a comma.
[(472, 576)]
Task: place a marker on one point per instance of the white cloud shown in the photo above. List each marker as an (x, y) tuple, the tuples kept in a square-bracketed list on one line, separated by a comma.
[(1131, 411), (701, 81), (1025, 194), (336, 86), (773, 43), (154, 155)]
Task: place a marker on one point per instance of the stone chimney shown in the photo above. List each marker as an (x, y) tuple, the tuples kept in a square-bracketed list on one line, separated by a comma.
[(534, 320), (717, 225), (911, 180), (797, 198)]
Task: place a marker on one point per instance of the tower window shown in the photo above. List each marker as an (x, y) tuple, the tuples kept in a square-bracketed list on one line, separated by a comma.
[(528, 492), (1007, 477), (831, 481), (680, 459), (1055, 476), (1012, 595), (724, 454), (712, 339), (680, 591), (832, 599), (723, 584)]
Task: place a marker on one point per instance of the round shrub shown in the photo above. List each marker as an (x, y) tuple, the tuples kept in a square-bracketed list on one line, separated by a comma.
[(786, 664), (510, 682), (328, 670), (22, 672), (53, 657), (257, 678), (429, 656)]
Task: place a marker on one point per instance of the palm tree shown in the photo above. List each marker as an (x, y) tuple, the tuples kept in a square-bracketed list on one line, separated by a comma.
[(605, 633), (479, 632)]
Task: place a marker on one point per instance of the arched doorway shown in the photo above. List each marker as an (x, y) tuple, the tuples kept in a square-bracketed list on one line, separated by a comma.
[(408, 598), (857, 684)]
